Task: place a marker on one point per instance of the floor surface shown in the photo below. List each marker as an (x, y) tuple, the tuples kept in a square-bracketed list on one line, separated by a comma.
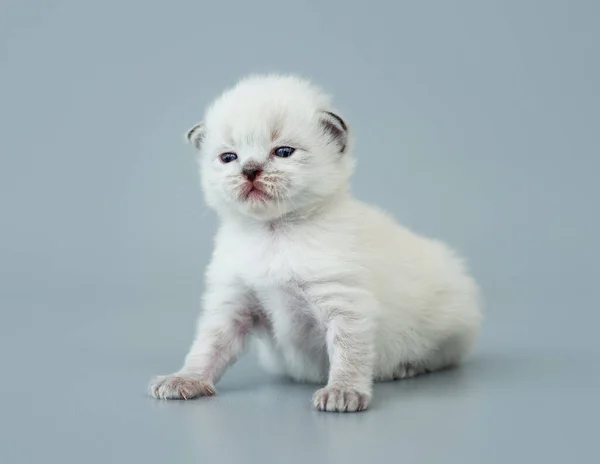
[(81, 398)]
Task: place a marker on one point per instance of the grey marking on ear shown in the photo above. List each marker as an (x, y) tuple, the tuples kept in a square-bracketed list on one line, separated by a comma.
[(338, 119), (336, 128), (195, 135)]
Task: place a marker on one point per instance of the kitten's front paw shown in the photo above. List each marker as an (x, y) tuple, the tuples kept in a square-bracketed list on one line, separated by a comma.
[(333, 399), (180, 387)]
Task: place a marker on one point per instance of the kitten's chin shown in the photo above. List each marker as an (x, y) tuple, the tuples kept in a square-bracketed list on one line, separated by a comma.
[(256, 207), (263, 209)]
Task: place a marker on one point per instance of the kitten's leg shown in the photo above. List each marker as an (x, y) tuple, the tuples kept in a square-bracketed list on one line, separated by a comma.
[(409, 370), (351, 352), (220, 338)]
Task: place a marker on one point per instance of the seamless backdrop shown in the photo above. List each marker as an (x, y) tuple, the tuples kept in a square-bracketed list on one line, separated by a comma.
[(476, 122)]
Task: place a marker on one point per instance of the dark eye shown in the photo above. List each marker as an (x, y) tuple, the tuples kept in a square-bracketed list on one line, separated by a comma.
[(284, 152), (228, 157)]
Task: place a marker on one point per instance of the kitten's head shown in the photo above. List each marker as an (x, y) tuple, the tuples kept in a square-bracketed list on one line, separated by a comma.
[(270, 146)]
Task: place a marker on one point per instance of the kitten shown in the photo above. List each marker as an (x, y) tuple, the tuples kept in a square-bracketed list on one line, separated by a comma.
[(331, 290)]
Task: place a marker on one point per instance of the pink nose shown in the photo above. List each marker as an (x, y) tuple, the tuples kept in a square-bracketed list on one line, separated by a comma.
[(251, 173)]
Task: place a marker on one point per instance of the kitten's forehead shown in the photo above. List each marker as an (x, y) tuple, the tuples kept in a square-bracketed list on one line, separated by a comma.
[(265, 106)]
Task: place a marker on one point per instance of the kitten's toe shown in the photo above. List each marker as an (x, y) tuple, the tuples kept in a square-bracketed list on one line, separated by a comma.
[(180, 387), (333, 399)]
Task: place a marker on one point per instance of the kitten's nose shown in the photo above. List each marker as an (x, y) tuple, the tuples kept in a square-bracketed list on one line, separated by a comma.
[(251, 173)]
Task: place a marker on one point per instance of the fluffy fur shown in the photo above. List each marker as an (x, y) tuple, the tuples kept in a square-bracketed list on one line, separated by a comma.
[(330, 290)]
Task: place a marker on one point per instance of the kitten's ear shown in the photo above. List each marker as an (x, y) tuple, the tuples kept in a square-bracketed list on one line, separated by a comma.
[(195, 136), (336, 128)]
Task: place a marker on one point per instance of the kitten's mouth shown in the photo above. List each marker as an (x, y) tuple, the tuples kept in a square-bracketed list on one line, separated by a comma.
[(251, 191)]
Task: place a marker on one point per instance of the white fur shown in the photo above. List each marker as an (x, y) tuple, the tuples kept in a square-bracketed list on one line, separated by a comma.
[(332, 290)]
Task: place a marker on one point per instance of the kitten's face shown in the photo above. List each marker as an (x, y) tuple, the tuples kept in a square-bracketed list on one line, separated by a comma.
[(269, 147)]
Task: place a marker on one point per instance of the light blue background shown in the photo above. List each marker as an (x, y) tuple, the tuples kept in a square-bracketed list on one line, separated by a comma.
[(476, 122)]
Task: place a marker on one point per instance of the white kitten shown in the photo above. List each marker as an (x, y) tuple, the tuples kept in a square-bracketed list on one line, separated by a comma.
[(331, 289)]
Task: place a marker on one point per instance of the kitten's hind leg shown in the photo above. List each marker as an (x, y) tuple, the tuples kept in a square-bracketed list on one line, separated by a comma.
[(448, 354), (409, 370)]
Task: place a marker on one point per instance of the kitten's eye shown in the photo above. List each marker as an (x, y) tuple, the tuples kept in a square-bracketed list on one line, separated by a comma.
[(284, 152), (228, 157)]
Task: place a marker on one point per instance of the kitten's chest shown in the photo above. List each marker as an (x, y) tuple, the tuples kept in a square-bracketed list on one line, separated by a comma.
[(272, 271), (269, 260), (277, 269)]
